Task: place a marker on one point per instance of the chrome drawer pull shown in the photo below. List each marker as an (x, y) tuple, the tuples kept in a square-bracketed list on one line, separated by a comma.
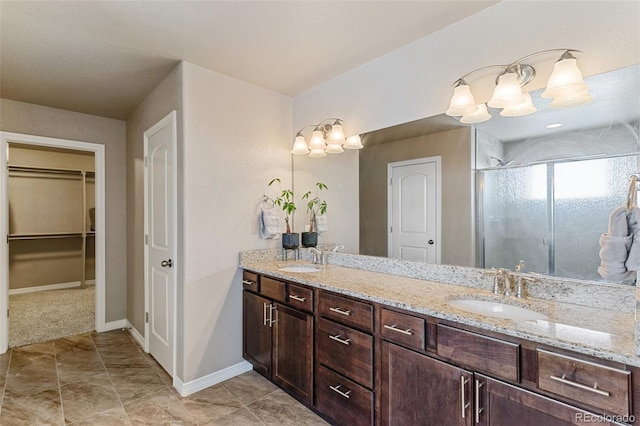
[(399, 330), (264, 313), (338, 339), (298, 298), (340, 311), (337, 390), (247, 282), (593, 389)]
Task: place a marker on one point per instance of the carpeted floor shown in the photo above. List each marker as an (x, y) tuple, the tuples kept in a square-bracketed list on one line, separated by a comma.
[(47, 315)]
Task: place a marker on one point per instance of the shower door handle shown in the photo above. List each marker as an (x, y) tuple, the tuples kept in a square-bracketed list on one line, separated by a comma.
[(166, 263)]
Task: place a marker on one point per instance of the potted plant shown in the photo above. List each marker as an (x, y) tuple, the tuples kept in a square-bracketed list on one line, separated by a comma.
[(315, 206), (285, 201)]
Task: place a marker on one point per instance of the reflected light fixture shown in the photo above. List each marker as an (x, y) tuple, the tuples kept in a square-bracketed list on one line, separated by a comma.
[(327, 137), (565, 86)]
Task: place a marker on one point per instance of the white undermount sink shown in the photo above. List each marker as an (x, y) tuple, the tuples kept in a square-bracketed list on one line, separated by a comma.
[(301, 269), (497, 309)]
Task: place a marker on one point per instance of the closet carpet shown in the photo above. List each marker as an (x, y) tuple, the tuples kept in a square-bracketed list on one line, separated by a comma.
[(48, 315)]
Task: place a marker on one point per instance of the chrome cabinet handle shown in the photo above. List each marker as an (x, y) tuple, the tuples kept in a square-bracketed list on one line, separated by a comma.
[(247, 282), (479, 410), (298, 298), (271, 320), (593, 389), (399, 330), (337, 390), (463, 396), (338, 339), (264, 313), (340, 311), (166, 263)]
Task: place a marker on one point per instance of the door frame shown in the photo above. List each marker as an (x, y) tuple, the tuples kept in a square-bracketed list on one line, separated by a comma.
[(170, 118), (100, 238), (390, 166)]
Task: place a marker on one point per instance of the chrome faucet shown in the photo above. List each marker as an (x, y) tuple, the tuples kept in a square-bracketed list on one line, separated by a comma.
[(503, 276), (338, 247), (520, 279), (317, 256)]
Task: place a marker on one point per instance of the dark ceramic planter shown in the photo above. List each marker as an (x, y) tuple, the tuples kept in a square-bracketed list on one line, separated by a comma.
[(290, 241), (309, 239)]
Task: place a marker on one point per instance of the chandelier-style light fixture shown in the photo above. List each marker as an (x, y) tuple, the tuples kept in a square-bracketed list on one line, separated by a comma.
[(565, 86), (328, 137)]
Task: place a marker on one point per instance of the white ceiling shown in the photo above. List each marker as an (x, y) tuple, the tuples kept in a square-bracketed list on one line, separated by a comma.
[(104, 57)]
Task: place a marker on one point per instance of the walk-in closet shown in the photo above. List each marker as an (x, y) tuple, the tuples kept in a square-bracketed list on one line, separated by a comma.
[(51, 194)]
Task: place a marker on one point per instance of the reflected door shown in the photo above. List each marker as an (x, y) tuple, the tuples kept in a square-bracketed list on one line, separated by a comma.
[(414, 210)]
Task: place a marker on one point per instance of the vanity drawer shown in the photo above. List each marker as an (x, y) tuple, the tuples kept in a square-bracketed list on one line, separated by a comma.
[(346, 311), (345, 350), (250, 281), (402, 328), (480, 353), (343, 401), (585, 382), (273, 289), (300, 297)]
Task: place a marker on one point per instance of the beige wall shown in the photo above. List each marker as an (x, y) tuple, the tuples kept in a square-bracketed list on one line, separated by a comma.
[(164, 99), (20, 117), (236, 139), (454, 148)]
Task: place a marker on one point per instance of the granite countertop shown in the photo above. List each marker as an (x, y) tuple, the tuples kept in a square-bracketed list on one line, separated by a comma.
[(603, 333)]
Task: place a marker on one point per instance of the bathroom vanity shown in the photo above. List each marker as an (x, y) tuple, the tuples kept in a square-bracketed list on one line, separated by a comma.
[(363, 348)]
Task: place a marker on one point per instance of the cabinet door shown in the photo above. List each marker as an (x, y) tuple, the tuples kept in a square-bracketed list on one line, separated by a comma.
[(419, 390), (293, 351), (256, 332), (500, 404)]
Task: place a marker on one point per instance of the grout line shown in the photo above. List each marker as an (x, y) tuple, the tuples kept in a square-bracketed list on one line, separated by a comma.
[(55, 361), (109, 376), (6, 376)]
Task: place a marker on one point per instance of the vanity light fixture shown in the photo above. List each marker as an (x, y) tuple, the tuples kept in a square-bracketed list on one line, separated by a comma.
[(565, 86), (328, 137)]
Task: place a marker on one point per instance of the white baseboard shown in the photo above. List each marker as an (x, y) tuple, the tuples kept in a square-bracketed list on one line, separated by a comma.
[(48, 287), (114, 325), (186, 389), (135, 334)]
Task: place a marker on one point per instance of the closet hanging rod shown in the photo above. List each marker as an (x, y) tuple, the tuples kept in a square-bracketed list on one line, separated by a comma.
[(17, 168), (43, 236)]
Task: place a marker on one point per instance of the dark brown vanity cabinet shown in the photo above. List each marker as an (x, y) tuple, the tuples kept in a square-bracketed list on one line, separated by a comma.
[(278, 339)]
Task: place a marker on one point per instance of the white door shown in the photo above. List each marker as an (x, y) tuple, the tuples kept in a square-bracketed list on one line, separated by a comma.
[(160, 240), (414, 210)]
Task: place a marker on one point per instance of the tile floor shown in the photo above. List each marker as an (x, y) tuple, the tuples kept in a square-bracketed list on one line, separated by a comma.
[(105, 379)]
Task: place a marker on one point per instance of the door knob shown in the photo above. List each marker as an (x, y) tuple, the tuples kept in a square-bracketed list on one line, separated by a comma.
[(166, 263), (430, 242)]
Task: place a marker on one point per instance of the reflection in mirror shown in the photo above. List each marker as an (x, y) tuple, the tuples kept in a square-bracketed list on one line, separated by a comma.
[(511, 188)]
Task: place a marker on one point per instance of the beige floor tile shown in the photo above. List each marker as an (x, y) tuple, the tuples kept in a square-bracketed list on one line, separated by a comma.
[(160, 408), (74, 346), (249, 387), (31, 379), (132, 383), (114, 417), (280, 409), (39, 353), (210, 404), (240, 417), (41, 408), (82, 400)]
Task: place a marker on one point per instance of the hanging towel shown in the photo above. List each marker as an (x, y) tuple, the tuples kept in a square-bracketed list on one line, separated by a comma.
[(321, 224), (269, 222), (615, 246), (633, 222)]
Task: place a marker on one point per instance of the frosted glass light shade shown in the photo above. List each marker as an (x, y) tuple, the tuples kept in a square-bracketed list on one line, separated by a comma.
[(353, 142), (571, 100), (334, 149), (565, 80), (336, 136), (462, 101), (524, 108), (507, 93), (300, 146), (317, 140), (478, 116), (317, 153)]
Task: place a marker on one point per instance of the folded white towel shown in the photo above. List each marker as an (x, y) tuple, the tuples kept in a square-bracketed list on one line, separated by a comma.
[(269, 222), (620, 246), (633, 222), (321, 224)]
